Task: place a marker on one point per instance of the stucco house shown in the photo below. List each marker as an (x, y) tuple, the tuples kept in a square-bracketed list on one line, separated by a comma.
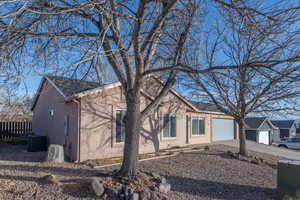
[(86, 118), (261, 130), (287, 128)]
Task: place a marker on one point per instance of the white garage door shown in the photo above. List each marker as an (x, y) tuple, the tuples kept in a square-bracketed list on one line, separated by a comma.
[(222, 129), (263, 137)]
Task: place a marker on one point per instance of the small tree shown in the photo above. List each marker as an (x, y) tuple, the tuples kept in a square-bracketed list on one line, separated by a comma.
[(265, 50)]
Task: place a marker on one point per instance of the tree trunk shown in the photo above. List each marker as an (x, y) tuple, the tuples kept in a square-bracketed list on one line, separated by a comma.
[(242, 138), (132, 135)]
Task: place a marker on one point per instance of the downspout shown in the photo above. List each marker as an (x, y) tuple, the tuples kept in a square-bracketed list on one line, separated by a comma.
[(79, 128)]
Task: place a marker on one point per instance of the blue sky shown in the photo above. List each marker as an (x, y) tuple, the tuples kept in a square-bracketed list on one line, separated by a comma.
[(29, 85)]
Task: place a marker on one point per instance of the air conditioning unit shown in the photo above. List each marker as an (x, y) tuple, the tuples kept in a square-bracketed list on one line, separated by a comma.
[(37, 143)]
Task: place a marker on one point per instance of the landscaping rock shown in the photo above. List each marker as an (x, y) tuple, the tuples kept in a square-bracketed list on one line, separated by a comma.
[(134, 196), (154, 188), (113, 193), (122, 197), (144, 195), (231, 154), (143, 176), (183, 170), (163, 180), (255, 161), (155, 196), (155, 175), (50, 179), (97, 187), (164, 198), (164, 188), (55, 153), (127, 192)]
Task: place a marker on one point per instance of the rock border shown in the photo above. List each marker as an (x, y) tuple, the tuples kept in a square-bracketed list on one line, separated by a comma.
[(155, 157), (158, 191), (174, 153)]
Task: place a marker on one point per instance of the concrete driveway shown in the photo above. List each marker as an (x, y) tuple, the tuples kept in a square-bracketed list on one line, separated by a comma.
[(272, 150)]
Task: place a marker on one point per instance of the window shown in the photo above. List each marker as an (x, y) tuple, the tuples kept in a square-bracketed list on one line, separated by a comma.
[(169, 125), (198, 126), (120, 126)]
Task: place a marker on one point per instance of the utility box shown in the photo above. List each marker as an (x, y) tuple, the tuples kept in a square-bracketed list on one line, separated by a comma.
[(37, 143), (288, 179)]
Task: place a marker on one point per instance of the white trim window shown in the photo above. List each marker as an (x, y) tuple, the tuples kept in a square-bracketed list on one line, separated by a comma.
[(169, 126), (198, 125), (120, 126)]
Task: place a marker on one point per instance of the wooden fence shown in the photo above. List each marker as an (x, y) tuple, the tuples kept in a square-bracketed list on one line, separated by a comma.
[(10, 130)]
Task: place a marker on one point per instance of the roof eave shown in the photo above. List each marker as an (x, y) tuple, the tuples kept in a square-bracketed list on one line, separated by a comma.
[(92, 91), (37, 94)]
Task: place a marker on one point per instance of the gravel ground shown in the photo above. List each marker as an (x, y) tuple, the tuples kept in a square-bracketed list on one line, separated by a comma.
[(196, 175)]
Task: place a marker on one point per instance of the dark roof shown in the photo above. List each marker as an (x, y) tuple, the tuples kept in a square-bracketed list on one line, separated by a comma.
[(283, 123), (205, 106), (254, 122), (70, 86)]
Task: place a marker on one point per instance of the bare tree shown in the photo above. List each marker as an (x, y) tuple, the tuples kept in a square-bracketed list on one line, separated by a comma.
[(137, 39), (265, 49), (69, 36)]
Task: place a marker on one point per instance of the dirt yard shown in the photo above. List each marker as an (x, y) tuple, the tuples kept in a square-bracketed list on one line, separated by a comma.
[(208, 174)]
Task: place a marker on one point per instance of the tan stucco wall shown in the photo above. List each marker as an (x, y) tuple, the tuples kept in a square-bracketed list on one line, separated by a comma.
[(207, 137), (98, 125), (54, 126)]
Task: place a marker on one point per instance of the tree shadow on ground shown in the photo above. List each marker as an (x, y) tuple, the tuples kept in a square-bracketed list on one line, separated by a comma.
[(219, 190), (75, 183), (75, 187), (56, 170), (226, 155), (19, 153), (78, 188)]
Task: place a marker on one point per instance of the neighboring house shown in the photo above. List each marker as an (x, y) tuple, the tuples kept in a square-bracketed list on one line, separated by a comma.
[(260, 130), (287, 128), (87, 119), (298, 127)]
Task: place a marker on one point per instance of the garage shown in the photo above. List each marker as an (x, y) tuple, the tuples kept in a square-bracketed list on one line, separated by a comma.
[(222, 129), (261, 130), (264, 137)]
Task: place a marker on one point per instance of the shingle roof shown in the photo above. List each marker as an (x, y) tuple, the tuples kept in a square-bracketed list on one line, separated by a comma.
[(205, 106), (74, 88), (283, 123), (254, 122), (69, 86)]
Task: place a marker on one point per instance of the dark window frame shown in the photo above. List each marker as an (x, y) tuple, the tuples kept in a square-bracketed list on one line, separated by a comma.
[(169, 124), (120, 126), (200, 122)]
